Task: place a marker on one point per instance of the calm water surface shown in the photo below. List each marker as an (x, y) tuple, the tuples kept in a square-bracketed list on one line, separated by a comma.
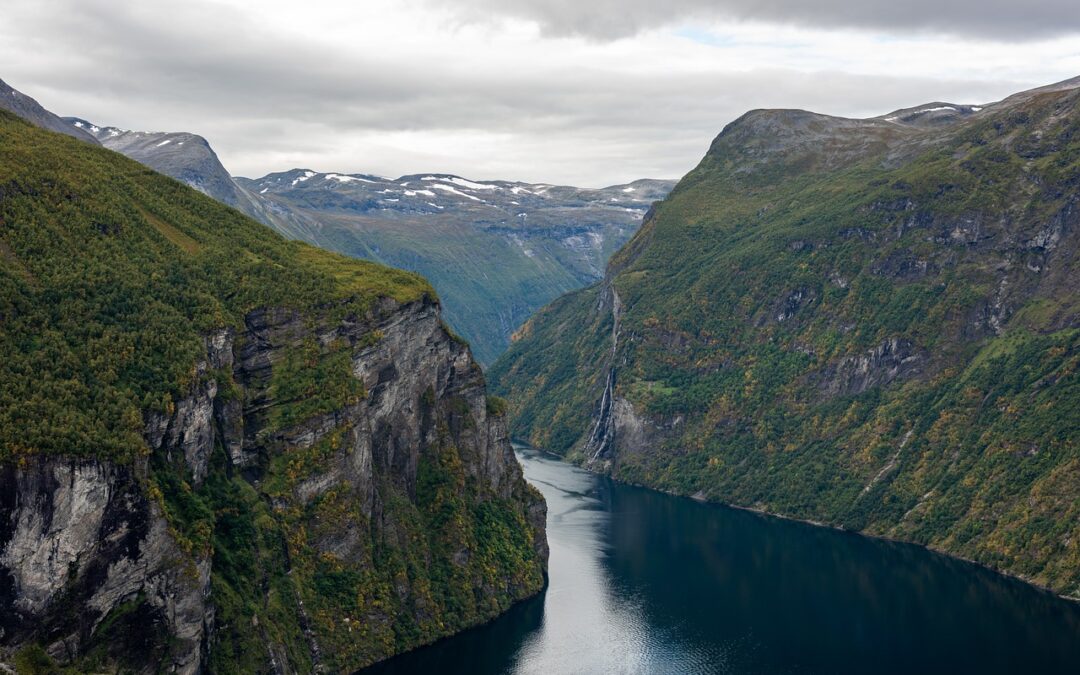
[(641, 582)]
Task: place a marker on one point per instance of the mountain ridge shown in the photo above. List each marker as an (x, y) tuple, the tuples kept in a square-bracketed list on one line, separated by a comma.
[(23, 106)]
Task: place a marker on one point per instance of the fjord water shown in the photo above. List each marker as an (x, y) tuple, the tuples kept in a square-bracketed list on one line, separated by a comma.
[(642, 582)]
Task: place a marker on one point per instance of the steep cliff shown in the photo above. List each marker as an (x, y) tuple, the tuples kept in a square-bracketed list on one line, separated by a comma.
[(223, 451), (868, 323)]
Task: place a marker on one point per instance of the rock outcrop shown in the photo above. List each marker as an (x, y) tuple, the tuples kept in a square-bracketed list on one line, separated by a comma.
[(893, 359), (81, 543), (85, 536)]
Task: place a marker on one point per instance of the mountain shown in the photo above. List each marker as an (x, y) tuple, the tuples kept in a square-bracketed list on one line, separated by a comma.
[(223, 451), (496, 251), (872, 324), (186, 157), (23, 106)]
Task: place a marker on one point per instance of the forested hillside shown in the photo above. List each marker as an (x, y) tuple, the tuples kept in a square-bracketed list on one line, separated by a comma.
[(867, 323)]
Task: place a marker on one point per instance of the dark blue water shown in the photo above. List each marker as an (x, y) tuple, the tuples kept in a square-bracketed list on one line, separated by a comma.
[(642, 582)]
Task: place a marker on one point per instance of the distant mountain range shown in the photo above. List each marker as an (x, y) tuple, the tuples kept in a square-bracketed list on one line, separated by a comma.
[(496, 251)]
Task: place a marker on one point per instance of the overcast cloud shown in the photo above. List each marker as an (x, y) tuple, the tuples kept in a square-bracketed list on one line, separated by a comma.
[(587, 93), (1009, 20)]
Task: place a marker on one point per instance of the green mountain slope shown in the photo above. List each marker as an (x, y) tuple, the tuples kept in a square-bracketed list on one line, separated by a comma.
[(868, 323), (221, 450)]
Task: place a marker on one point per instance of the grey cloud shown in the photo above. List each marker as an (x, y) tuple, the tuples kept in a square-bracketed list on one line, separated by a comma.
[(271, 102), (1009, 20)]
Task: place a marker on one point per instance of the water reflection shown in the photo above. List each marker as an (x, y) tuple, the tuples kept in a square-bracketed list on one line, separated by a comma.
[(642, 582)]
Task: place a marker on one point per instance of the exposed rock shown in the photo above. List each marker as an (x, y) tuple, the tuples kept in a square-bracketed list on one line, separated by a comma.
[(188, 430), (903, 265), (81, 534), (791, 304), (895, 358)]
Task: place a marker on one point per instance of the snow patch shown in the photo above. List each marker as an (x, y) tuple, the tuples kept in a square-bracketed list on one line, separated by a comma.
[(461, 182), (447, 188), (471, 185), (164, 142), (341, 178), (301, 179), (894, 118)]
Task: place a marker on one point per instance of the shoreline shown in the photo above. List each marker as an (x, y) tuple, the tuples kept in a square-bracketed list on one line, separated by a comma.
[(814, 523)]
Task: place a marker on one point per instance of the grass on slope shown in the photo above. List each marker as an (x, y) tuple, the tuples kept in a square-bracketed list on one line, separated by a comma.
[(109, 272)]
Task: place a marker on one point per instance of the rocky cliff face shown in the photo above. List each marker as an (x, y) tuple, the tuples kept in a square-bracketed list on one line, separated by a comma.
[(82, 541), (82, 544)]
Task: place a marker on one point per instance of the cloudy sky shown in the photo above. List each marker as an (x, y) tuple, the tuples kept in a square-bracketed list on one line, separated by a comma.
[(585, 92)]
